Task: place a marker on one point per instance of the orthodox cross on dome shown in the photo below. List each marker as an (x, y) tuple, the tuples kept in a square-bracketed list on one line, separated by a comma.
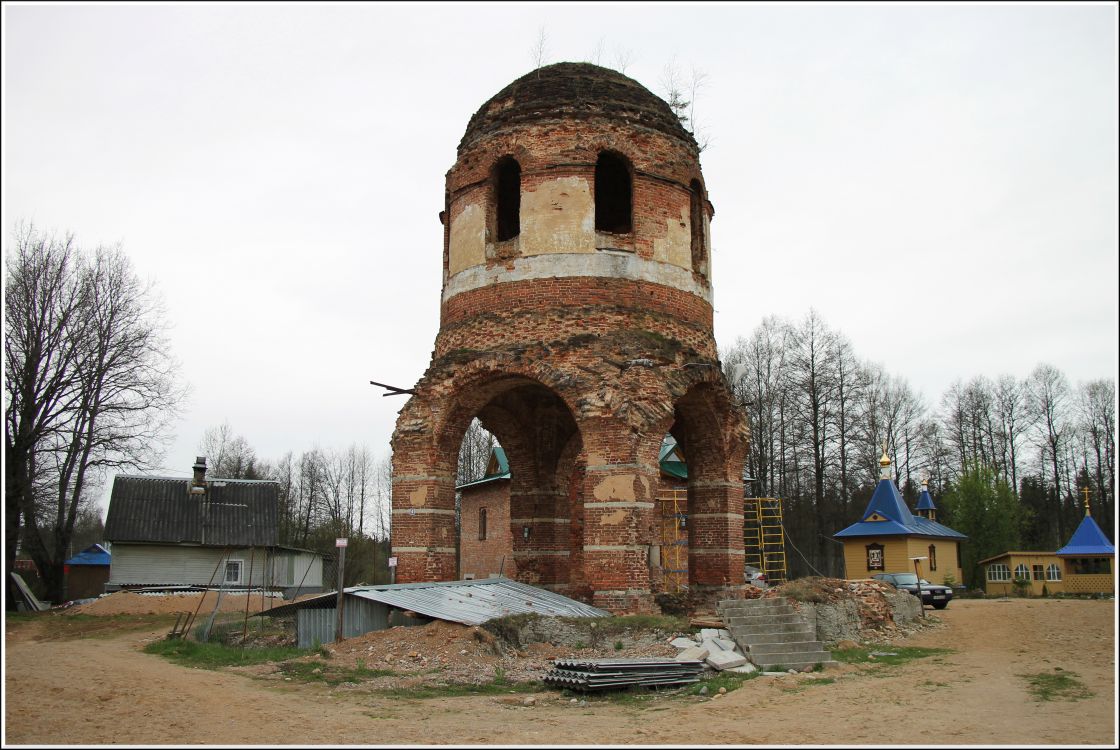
[(1085, 491)]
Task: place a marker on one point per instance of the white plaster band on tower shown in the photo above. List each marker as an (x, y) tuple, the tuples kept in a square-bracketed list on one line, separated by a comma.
[(605, 264)]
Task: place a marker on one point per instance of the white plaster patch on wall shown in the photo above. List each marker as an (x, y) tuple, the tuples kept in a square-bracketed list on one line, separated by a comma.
[(467, 244), (566, 265), (676, 246), (558, 217)]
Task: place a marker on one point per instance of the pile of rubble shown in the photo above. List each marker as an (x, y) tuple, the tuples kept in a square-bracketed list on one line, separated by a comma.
[(856, 610), (715, 647)]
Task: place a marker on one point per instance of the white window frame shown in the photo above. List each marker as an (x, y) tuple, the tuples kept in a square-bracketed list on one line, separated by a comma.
[(998, 572), (1022, 571), (240, 571), (1053, 572)]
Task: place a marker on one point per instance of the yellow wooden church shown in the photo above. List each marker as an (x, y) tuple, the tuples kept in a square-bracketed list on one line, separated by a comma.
[(888, 537)]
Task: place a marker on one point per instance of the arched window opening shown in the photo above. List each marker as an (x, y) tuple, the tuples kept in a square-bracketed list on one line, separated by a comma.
[(613, 194), (932, 557), (696, 220), (508, 193)]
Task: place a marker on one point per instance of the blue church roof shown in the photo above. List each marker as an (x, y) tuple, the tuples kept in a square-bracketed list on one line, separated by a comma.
[(1087, 540), (925, 502), (95, 554), (895, 519)]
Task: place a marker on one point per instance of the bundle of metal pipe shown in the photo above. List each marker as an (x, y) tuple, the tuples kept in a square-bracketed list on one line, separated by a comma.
[(607, 674)]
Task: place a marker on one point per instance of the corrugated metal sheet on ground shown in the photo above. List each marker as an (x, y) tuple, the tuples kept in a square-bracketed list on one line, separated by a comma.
[(606, 674), (468, 602)]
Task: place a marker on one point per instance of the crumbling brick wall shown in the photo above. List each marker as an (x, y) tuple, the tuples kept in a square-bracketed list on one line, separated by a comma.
[(578, 349)]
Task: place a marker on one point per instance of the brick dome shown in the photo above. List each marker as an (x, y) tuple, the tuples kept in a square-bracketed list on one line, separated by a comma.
[(574, 91)]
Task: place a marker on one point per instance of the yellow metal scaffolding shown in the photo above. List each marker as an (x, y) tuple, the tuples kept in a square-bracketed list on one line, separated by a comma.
[(674, 539), (764, 537)]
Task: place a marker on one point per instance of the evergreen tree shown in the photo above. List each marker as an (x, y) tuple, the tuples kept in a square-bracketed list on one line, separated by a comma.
[(983, 507)]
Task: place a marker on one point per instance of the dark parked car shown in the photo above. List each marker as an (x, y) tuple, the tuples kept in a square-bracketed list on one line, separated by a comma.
[(932, 593)]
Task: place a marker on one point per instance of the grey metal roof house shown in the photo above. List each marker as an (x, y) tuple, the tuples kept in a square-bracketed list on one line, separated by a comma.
[(175, 532)]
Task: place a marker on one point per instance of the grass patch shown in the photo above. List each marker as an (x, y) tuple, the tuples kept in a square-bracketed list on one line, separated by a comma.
[(23, 616), (1056, 685), (898, 654), (456, 689), (639, 696), (730, 680), (329, 674), (216, 655), (623, 623)]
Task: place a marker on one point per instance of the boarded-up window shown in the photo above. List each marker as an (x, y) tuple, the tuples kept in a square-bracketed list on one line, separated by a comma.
[(875, 557), (507, 190), (613, 194)]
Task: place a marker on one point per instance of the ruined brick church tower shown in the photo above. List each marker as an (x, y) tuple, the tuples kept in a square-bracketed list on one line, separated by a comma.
[(576, 325)]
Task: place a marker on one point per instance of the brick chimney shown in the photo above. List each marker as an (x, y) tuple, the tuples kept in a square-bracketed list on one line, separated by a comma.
[(199, 480)]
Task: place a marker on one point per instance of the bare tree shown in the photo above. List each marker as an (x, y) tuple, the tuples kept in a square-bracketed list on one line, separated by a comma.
[(539, 51), (228, 454), (105, 398), (597, 53), (623, 59), (1050, 393), (43, 302), (1097, 410), (474, 453), (1011, 402)]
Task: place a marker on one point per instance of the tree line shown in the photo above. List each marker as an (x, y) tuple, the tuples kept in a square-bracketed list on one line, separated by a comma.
[(325, 494), (819, 416)]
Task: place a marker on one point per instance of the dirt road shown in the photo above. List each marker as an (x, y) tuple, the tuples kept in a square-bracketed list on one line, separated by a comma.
[(95, 691)]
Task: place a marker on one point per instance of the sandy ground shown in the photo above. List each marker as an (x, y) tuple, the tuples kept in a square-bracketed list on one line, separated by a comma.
[(104, 690)]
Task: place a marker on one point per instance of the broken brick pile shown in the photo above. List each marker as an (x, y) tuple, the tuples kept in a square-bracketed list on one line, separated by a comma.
[(874, 608)]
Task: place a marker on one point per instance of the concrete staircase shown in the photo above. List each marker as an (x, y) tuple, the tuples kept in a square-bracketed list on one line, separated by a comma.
[(772, 634)]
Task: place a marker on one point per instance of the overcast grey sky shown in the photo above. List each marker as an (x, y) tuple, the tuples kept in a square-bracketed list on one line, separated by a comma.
[(938, 181)]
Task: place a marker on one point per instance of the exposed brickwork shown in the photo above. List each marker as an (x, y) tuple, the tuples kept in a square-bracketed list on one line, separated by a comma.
[(480, 557), (578, 359), (591, 305)]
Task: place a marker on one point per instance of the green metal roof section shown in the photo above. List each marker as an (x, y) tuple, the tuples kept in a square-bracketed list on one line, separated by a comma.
[(498, 468)]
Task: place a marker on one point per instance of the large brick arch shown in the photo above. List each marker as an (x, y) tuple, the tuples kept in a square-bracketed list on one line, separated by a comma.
[(536, 428), (712, 434)]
